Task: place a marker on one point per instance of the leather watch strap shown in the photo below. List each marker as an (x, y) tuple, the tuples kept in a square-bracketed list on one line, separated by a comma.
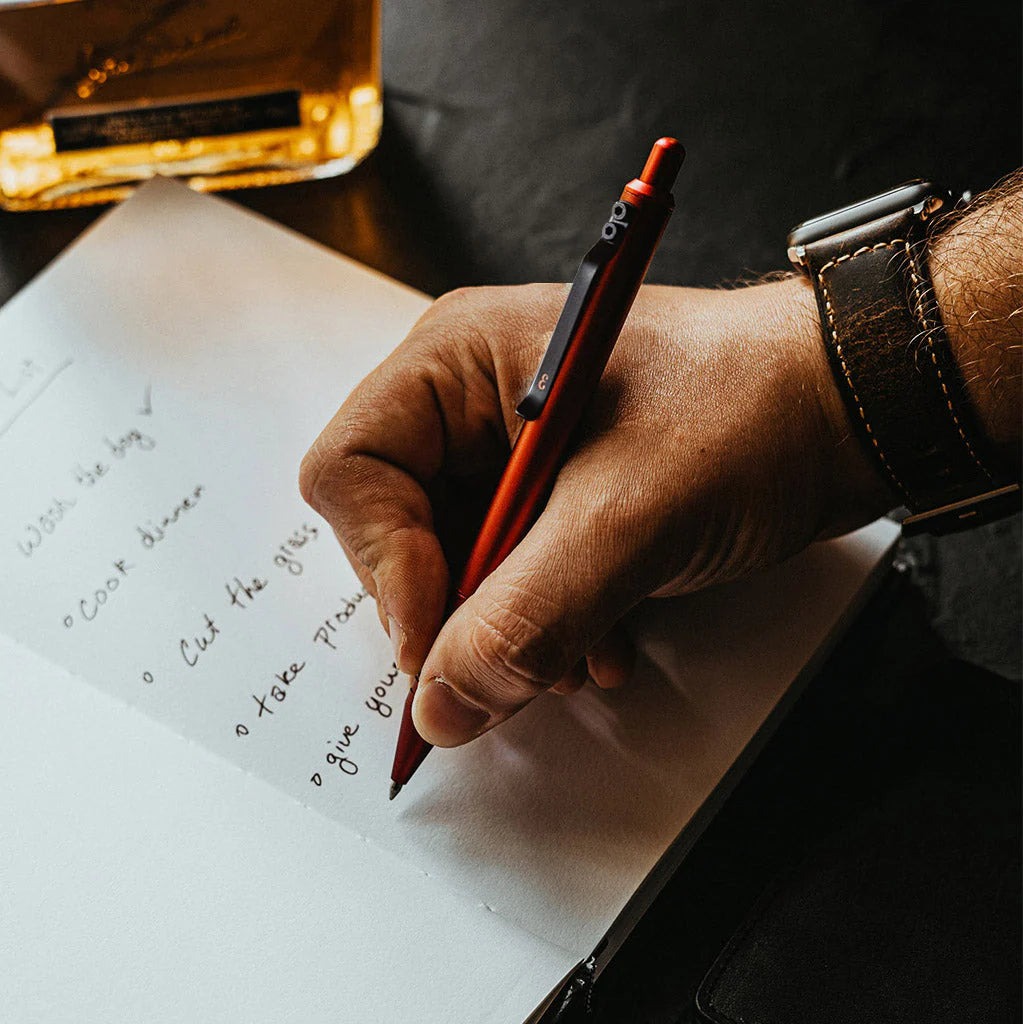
[(890, 354)]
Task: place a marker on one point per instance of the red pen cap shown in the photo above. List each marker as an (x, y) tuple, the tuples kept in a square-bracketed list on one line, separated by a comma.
[(663, 164)]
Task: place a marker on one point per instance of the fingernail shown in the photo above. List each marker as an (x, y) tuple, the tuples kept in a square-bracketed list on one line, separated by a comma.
[(444, 717), (397, 635)]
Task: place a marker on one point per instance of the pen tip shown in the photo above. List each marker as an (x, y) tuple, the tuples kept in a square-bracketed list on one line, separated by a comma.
[(396, 788)]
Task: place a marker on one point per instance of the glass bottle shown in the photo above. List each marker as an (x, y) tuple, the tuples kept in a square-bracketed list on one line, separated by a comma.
[(99, 95)]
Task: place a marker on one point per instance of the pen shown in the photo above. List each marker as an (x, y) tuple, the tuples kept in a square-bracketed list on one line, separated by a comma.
[(598, 303)]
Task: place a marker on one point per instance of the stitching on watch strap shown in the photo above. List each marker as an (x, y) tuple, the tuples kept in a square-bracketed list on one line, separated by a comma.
[(833, 327), (929, 329)]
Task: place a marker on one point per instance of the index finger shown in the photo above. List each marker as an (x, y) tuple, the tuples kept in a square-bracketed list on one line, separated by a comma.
[(368, 471)]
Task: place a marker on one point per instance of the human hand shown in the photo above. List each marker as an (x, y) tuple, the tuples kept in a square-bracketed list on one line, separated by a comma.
[(717, 444)]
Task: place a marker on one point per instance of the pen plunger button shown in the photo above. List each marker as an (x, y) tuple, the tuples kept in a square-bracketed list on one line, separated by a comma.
[(663, 164)]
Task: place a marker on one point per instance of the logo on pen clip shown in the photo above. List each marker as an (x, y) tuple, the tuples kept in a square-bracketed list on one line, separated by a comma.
[(619, 219), (543, 381)]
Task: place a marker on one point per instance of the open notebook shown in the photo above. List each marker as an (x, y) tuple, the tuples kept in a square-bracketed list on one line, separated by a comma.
[(199, 711)]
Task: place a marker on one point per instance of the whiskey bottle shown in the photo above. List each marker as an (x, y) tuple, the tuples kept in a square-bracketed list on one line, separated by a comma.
[(98, 95)]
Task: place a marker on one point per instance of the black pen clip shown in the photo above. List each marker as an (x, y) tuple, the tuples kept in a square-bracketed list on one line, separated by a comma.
[(591, 270)]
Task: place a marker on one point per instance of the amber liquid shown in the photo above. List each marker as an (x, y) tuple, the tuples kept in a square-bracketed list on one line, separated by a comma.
[(96, 96)]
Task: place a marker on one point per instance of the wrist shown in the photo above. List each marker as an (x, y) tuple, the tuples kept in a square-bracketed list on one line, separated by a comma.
[(979, 292), (853, 491), (898, 375)]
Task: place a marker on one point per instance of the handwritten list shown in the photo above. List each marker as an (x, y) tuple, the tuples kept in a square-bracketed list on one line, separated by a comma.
[(155, 543), (152, 537)]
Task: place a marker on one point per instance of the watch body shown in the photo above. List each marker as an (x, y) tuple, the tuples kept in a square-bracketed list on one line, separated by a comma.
[(922, 197), (891, 359)]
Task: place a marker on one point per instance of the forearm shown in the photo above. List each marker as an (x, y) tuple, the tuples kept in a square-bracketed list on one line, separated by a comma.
[(977, 268)]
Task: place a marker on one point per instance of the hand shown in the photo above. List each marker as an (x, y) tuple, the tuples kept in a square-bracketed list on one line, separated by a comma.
[(717, 444)]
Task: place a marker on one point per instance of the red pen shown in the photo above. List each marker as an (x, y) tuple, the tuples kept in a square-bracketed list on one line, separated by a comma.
[(598, 303)]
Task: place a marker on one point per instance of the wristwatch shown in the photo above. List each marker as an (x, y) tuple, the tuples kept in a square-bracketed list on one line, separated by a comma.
[(892, 362)]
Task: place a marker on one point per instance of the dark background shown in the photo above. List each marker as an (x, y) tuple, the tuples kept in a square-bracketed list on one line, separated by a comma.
[(510, 127)]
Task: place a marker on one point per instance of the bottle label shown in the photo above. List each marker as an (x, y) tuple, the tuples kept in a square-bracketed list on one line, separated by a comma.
[(160, 122)]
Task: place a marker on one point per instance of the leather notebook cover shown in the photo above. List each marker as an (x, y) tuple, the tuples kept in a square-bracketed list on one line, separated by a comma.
[(910, 910)]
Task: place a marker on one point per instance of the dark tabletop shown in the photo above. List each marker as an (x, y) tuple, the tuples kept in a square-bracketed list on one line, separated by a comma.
[(511, 125)]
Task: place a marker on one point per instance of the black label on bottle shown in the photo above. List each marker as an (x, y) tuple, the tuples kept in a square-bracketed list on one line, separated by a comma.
[(159, 122)]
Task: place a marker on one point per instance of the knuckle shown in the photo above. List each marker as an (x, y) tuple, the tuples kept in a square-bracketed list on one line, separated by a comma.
[(516, 650), (541, 296), (330, 469), (309, 473), (456, 298), (381, 546), (318, 474)]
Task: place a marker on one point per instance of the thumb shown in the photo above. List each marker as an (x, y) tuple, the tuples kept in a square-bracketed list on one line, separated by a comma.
[(552, 599)]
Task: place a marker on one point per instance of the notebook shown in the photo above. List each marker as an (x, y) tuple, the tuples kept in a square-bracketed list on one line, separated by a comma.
[(199, 706)]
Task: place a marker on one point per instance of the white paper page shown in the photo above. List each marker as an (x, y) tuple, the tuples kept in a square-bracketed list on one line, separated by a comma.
[(208, 348), (144, 879)]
